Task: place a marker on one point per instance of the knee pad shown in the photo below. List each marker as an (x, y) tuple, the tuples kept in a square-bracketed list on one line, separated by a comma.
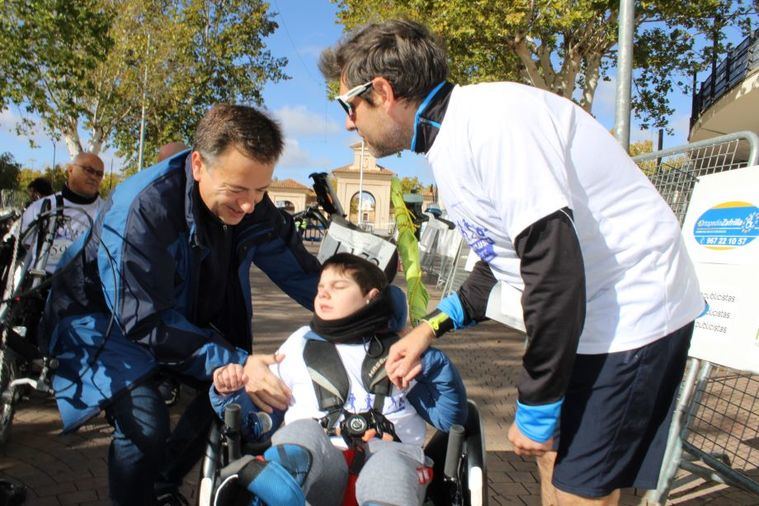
[(293, 458), (271, 483), (329, 473)]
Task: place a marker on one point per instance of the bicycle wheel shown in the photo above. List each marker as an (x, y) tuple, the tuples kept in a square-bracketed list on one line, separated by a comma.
[(18, 270)]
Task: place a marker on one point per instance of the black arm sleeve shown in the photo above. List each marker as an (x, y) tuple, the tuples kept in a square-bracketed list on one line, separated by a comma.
[(553, 303), (475, 290)]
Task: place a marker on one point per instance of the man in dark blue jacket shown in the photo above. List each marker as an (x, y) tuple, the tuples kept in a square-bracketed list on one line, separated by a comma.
[(161, 282)]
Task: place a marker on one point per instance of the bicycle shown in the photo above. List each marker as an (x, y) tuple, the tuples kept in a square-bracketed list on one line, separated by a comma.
[(25, 283), (311, 223)]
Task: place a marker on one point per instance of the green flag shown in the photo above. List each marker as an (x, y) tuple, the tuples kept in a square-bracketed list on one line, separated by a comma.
[(408, 250)]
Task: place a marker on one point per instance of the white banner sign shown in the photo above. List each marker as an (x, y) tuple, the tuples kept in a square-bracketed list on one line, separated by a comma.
[(341, 238), (721, 232)]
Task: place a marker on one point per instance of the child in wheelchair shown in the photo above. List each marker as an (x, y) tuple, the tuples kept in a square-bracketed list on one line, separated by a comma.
[(349, 437)]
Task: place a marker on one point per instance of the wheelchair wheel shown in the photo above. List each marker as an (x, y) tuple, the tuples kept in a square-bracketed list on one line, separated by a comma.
[(7, 402)]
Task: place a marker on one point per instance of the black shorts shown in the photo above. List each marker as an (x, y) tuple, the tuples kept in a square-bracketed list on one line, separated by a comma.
[(616, 416)]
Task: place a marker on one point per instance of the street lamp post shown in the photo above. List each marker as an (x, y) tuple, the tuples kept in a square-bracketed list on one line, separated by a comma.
[(144, 99), (624, 72)]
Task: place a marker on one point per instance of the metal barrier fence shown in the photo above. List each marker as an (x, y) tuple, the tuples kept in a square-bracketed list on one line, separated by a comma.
[(715, 428), (440, 250)]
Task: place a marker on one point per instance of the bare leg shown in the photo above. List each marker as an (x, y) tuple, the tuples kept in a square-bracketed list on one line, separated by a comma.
[(551, 496), (545, 468)]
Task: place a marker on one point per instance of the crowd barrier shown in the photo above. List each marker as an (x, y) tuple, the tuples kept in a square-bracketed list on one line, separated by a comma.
[(715, 429)]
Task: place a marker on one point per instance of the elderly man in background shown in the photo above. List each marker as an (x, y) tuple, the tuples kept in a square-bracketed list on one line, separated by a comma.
[(74, 207)]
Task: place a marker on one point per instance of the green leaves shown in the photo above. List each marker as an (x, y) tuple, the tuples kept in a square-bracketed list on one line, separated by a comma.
[(83, 64), (9, 171), (567, 46)]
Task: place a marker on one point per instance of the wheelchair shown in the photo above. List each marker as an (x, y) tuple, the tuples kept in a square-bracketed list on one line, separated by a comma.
[(459, 470)]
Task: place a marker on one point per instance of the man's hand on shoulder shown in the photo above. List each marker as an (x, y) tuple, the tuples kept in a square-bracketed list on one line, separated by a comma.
[(404, 358)]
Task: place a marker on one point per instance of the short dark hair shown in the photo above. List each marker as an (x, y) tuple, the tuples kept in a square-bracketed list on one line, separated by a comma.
[(249, 130), (41, 185), (366, 274), (404, 52)]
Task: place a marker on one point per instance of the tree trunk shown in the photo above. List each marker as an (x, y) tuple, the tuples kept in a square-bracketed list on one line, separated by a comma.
[(73, 143), (96, 142)]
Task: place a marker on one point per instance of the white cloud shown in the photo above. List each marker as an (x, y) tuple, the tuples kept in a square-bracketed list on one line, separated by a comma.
[(8, 120), (295, 156), (299, 120)]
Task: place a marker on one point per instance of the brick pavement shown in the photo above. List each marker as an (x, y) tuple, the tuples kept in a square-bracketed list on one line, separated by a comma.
[(71, 469)]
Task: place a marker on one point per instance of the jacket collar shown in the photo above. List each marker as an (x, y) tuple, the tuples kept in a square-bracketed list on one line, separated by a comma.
[(190, 206), (429, 116)]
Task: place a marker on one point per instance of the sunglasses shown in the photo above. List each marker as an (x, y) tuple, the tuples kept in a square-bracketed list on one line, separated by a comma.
[(92, 172), (344, 100)]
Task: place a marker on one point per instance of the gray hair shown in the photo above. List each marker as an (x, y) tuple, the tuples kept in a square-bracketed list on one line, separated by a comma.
[(404, 52)]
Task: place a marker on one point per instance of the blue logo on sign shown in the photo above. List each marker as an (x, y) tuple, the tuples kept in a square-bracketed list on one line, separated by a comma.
[(728, 225)]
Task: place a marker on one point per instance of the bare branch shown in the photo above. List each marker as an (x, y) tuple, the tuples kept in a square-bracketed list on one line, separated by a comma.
[(525, 56)]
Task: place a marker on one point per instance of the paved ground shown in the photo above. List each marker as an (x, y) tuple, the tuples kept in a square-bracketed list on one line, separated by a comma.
[(71, 469)]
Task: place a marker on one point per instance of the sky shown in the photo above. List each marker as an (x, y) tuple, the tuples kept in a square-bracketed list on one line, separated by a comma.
[(316, 139)]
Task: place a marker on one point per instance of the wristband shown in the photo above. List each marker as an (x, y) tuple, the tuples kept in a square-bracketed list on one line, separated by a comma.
[(439, 322)]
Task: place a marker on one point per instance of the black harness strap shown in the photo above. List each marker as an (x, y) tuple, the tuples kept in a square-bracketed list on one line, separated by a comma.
[(330, 380)]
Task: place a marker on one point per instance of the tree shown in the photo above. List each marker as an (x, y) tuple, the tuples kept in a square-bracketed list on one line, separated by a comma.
[(202, 52), (410, 184), (83, 66), (48, 53), (567, 46), (9, 170)]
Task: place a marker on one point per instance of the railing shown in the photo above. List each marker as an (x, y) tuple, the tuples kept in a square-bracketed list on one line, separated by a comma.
[(739, 61)]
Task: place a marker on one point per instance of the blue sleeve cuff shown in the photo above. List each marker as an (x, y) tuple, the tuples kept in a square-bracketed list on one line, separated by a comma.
[(451, 305), (538, 423)]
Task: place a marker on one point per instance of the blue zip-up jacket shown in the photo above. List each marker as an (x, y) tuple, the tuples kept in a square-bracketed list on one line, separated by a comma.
[(127, 300)]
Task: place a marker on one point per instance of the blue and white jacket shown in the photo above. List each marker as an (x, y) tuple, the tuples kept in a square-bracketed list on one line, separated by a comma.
[(127, 299)]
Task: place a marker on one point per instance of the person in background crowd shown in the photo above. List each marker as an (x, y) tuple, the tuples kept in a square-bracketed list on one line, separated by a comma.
[(171, 149), (74, 207), (38, 188)]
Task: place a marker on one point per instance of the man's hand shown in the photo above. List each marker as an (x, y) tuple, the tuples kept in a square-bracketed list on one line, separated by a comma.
[(266, 390), (524, 446), (404, 358), (229, 378)]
